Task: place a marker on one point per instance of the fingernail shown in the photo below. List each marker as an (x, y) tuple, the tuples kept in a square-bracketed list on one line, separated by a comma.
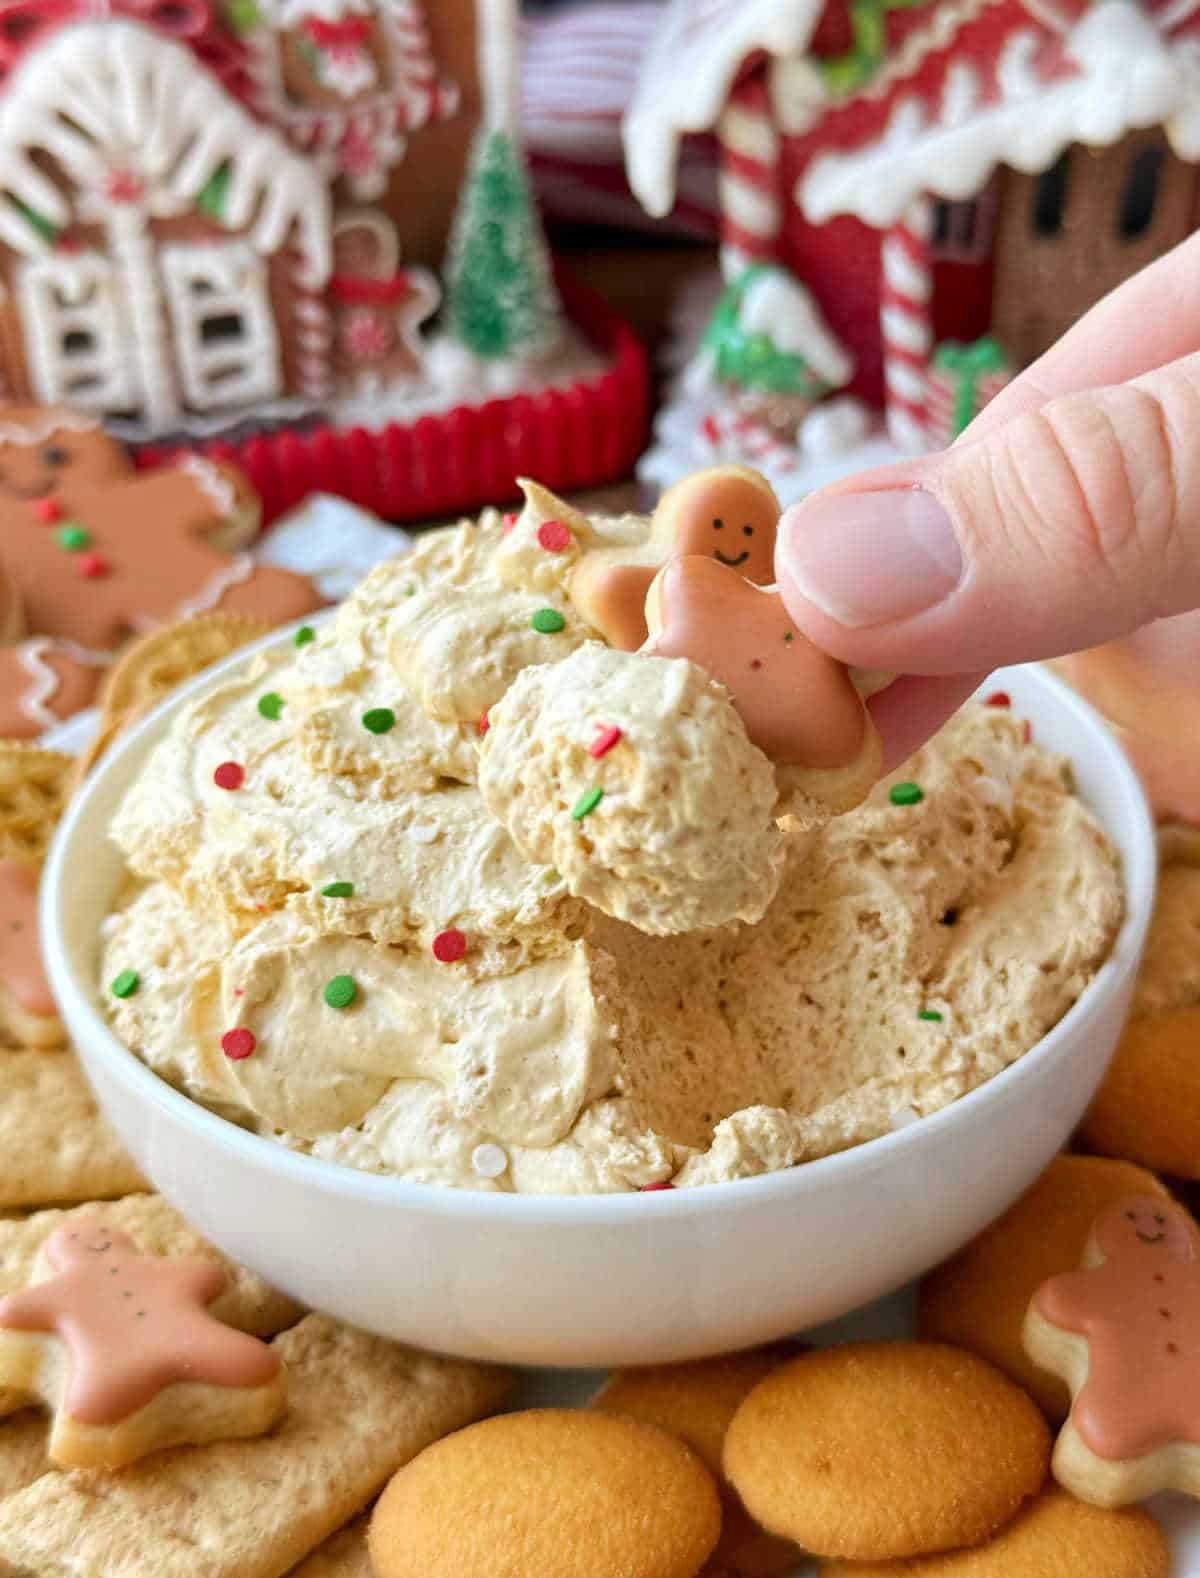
[(871, 558)]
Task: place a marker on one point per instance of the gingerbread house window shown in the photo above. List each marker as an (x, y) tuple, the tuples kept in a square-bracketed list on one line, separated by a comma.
[(1139, 192), (75, 334), (219, 301), (1050, 194), (962, 231)]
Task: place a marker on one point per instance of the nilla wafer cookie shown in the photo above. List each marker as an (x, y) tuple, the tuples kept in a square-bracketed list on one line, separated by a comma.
[(579, 1494)]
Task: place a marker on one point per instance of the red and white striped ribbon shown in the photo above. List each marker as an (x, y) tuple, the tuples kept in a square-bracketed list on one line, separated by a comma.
[(905, 325), (729, 435)]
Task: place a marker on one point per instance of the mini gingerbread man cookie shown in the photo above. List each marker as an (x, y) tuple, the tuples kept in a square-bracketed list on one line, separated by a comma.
[(727, 513), (122, 1349), (799, 705), (28, 1014), (1122, 1333), (96, 552)]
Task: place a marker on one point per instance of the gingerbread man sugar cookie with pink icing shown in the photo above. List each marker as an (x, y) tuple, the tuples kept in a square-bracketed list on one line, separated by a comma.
[(121, 1348), (727, 513), (1124, 1333), (94, 552)]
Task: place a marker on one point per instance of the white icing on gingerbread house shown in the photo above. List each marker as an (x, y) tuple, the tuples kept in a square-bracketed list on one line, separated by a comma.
[(163, 253), (965, 172)]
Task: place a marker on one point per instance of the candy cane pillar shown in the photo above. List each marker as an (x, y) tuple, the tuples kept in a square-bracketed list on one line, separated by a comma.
[(748, 180), (907, 331)]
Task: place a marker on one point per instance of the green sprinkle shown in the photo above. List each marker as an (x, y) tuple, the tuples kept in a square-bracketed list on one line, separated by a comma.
[(931, 1014), (906, 794), (789, 635), (410, 591), (341, 991), (270, 705), (547, 621), (73, 538), (126, 984), (379, 720), (587, 803), (303, 636), (338, 890)]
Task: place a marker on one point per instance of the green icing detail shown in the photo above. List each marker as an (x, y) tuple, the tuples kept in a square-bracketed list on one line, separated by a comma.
[(125, 984), (242, 15), (586, 804), (341, 991), (906, 794), (338, 890), (547, 621), (47, 231), (753, 361), (270, 705), (72, 538), (846, 73), (211, 197)]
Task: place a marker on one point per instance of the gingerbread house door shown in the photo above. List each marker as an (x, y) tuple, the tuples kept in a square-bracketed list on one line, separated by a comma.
[(1066, 237)]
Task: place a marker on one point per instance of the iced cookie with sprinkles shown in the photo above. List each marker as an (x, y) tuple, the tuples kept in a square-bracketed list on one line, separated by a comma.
[(123, 1351), (635, 779), (97, 552), (1122, 1333)]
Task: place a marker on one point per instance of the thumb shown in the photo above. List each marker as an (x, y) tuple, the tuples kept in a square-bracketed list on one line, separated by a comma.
[(1059, 530)]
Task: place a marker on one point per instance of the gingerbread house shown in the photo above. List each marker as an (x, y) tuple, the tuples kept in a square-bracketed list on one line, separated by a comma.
[(164, 254), (932, 173)]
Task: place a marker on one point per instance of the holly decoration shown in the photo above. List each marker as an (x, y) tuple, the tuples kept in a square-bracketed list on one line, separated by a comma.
[(846, 73), (753, 360), (500, 297), (211, 197)]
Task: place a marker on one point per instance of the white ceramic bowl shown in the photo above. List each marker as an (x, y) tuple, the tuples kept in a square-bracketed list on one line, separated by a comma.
[(616, 1279)]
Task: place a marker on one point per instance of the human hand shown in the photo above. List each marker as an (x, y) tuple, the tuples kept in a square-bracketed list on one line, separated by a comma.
[(1066, 515)]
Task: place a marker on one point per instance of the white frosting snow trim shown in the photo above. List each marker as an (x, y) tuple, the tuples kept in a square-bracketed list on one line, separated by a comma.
[(218, 489), (112, 95), (688, 72), (776, 304), (1130, 77)]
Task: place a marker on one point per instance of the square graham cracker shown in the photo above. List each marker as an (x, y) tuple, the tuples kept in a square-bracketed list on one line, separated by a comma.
[(359, 1408), (56, 1145)]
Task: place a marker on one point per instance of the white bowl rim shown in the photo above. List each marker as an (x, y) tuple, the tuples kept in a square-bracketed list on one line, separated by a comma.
[(1139, 877)]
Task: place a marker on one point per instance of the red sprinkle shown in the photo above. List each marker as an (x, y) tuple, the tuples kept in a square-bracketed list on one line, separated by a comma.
[(48, 511), (1027, 731), (508, 521), (999, 698), (554, 536), (654, 1188), (484, 723), (91, 566), (756, 663), (237, 1044), (229, 775), (449, 946), (606, 737)]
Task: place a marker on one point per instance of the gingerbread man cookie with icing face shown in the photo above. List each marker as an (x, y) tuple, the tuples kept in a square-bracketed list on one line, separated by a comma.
[(727, 514), (96, 552), (121, 1347), (28, 1013), (1124, 1333), (799, 705)]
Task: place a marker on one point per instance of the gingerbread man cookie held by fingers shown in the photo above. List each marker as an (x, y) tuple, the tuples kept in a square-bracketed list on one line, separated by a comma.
[(96, 552), (727, 513), (799, 705), (121, 1347), (1124, 1333)]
